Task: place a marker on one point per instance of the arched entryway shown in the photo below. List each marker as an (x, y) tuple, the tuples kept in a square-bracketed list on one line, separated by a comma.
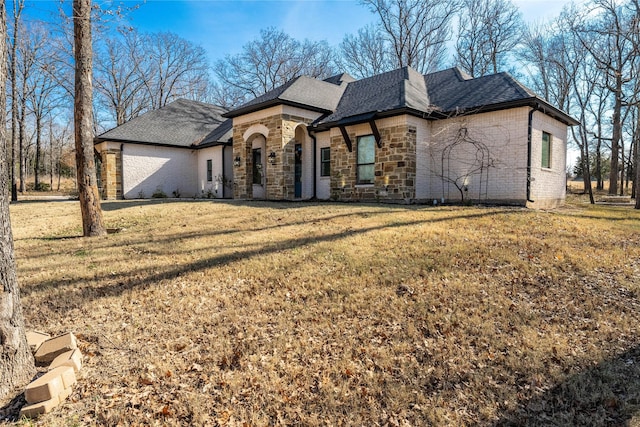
[(303, 164)]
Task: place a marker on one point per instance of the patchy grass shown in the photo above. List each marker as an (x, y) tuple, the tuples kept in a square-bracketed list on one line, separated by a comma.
[(230, 313)]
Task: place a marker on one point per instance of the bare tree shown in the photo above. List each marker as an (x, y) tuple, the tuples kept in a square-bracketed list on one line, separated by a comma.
[(271, 61), (43, 92), (18, 5), (416, 30), (488, 31), (92, 222), (16, 361), (118, 81), (608, 35), (365, 54), (174, 68)]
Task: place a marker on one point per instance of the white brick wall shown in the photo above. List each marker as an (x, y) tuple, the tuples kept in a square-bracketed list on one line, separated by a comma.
[(503, 133), (215, 185), (548, 185), (147, 168)]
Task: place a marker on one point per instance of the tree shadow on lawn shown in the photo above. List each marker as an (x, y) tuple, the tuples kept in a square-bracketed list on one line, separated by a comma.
[(607, 394), (140, 277)]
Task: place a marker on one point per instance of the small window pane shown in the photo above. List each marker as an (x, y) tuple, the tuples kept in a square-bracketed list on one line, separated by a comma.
[(366, 174), (546, 150)]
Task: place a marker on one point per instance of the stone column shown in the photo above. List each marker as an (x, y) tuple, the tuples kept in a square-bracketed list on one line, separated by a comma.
[(111, 174)]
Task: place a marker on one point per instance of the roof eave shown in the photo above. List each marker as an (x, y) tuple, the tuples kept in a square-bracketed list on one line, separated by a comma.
[(272, 103), (366, 117), (533, 102), (99, 140)]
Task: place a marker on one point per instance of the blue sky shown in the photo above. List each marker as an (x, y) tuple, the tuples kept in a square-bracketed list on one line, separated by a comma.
[(223, 27)]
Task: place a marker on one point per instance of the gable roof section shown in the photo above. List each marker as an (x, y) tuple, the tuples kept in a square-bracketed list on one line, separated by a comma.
[(386, 93), (182, 123), (303, 91), (452, 90)]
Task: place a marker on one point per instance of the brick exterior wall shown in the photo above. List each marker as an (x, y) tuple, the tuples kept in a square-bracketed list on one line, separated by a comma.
[(499, 136), (548, 185)]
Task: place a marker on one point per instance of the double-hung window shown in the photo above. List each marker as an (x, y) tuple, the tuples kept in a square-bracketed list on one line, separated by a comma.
[(325, 161), (546, 150), (366, 159)]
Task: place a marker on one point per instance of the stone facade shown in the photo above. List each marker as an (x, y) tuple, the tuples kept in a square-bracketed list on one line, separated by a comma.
[(395, 164), (280, 140), (111, 174)]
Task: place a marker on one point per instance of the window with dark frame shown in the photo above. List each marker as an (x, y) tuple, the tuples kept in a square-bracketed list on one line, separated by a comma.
[(257, 166), (209, 170), (325, 161), (546, 150), (366, 159)]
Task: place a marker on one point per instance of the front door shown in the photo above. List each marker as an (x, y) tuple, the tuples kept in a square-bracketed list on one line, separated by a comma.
[(298, 172), (258, 174)]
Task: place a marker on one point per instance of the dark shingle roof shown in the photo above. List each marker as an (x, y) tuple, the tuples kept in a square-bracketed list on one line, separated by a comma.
[(182, 123), (452, 90), (313, 94), (403, 88), (222, 134)]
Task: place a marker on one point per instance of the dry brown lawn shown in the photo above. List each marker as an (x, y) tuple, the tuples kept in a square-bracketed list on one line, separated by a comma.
[(254, 314)]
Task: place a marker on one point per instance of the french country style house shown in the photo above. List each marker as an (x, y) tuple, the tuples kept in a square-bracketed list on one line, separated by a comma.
[(399, 137)]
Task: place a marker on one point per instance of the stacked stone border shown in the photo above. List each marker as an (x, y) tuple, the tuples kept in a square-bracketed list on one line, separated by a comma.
[(63, 360)]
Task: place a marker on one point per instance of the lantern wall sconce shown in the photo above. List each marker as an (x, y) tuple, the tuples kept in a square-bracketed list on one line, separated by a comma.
[(272, 157), (236, 161)]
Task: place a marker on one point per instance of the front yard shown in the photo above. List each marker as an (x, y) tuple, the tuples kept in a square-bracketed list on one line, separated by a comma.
[(231, 313)]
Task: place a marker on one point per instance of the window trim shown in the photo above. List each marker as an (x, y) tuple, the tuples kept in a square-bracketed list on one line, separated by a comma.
[(548, 143), (372, 140), (324, 162)]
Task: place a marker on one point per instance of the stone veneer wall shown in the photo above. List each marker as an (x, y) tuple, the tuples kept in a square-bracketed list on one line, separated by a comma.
[(395, 166), (111, 174), (279, 176)]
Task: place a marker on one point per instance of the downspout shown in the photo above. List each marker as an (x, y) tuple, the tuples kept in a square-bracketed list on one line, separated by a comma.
[(223, 175), (121, 171), (315, 159), (529, 143)]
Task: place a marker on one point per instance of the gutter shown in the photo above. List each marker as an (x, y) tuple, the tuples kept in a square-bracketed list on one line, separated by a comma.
[(534, 108)]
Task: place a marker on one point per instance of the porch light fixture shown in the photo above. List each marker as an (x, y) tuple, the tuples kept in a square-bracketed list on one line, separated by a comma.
[(272, 157), (236, 161)]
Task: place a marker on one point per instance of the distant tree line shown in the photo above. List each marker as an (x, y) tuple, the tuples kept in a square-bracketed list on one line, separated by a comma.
[(585, 62)]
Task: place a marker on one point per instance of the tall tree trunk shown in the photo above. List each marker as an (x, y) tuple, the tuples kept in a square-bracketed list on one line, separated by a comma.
[(36, 168), (21, 137), (51, 164), (16, 361), (17, 11), (637, 150), (92, 222), (615, 139)]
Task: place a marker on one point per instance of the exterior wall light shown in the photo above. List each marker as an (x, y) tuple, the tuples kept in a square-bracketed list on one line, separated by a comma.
[(272, 157), (236, 161)]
